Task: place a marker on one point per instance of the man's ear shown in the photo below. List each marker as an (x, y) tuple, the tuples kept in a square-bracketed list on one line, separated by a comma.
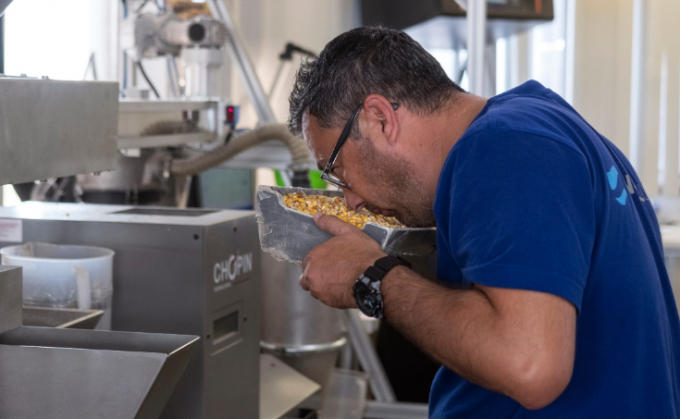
[(379, 110)]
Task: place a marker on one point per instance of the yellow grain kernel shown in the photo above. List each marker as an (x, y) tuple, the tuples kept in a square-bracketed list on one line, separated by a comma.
[(311, 204)]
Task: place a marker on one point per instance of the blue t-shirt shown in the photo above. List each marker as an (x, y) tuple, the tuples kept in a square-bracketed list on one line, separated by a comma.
[(532, 197)]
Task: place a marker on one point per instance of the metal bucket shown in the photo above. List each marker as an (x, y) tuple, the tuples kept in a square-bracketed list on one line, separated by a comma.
[(300, 330)]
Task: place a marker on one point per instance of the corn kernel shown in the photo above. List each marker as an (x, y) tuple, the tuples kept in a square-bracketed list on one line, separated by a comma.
[(311, 204)]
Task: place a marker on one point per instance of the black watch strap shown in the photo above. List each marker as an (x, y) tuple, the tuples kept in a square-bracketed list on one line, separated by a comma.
[(383, 265), (367, 288)]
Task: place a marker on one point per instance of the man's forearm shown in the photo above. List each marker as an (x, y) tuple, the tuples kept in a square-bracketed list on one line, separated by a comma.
[(446, 323), (517, 342), (463, 330)]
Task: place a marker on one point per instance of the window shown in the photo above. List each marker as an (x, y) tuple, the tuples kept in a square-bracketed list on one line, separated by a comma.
[(47, 38)]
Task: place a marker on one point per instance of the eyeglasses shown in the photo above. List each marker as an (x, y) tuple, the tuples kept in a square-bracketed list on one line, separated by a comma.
[(326, 174)]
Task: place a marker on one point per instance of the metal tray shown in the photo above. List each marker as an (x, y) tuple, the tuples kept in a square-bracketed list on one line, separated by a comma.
[(288, 235), (70, 373), (61, 318)]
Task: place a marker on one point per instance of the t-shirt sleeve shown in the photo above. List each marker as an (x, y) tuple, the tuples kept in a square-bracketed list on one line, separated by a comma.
[(522, 213)]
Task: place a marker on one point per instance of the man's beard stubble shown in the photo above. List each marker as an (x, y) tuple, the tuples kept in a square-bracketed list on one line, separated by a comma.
[(392, 182)]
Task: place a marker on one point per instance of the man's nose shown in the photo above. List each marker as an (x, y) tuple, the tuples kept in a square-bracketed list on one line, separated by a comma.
[(353, 200)]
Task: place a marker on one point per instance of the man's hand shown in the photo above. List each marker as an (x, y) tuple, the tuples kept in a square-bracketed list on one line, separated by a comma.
[(330, 270)]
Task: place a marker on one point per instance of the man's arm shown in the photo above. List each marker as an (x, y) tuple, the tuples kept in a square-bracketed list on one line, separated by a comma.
[(515, 342)]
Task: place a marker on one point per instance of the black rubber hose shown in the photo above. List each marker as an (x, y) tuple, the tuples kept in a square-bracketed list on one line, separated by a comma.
[(139, 9), (141, 69)]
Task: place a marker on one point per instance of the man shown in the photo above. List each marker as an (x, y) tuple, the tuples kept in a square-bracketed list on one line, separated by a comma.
[(552, 298)]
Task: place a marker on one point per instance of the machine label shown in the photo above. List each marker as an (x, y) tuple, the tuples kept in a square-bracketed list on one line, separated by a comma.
[(11, 231), (232, 270)]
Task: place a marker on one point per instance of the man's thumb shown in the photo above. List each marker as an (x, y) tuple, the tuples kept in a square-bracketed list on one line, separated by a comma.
[(331, 224)]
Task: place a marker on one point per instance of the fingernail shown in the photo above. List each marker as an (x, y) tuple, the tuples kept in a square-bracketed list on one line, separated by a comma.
[(317, 215)]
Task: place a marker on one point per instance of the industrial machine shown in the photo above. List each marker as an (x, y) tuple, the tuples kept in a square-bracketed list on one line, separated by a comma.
[(74, 123), (70, 373), (176, 271), (54, 129)]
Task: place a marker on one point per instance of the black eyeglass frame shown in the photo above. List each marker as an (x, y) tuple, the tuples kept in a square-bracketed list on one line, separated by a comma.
[(344, 135)]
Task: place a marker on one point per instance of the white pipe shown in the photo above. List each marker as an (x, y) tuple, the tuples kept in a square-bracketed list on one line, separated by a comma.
[(476, 43), (570, 51), (637, 96), (663, 126)]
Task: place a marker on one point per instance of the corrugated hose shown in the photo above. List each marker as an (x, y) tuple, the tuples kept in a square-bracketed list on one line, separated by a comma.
[(242, 142)]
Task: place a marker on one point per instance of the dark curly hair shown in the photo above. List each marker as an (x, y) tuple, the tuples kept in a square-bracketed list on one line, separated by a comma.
[(365, 61)]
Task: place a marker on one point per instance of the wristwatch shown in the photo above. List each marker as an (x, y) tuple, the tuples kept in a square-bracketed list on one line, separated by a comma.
[(367, 288)]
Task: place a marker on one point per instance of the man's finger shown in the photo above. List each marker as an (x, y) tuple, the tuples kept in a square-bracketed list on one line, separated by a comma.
[(304, 280), (304, 283), (332, 224)]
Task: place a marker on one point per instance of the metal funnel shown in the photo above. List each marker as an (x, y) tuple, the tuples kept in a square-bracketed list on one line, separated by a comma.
[(71, 373)]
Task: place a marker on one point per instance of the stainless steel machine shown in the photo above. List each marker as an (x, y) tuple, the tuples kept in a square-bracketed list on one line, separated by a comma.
[(69, 373), (176, 271)]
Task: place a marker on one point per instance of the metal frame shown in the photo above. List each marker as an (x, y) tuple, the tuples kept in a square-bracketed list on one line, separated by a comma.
[(380, 410), (254, 88), (11, 286), (476, 42), (56, 128), (638, 77), (2, 44), (129, 106), (361, 343)]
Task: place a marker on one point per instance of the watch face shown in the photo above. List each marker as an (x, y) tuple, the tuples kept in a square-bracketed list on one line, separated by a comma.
[(368, 301), (364, 298)]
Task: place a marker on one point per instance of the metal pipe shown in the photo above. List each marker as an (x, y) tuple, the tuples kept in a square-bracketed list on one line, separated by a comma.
[(476, 44), (254, 88), (379, 410), (637, 91), (182, 189), (380, 385), (347, 358)]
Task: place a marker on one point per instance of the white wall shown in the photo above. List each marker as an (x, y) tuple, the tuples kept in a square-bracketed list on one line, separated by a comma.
[(602, 66), (603, 62), (267, 25), (661, 84)]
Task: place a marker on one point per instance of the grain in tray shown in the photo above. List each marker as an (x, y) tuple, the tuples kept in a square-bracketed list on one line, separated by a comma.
[(311, 204)]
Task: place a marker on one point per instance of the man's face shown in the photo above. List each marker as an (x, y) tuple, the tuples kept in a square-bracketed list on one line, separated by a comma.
[(379, 180)]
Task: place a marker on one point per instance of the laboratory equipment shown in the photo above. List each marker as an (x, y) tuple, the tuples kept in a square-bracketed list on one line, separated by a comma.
[(68, 127), (61, 318), (65, 276), (296, 327), (67, 373), (193, 272)]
